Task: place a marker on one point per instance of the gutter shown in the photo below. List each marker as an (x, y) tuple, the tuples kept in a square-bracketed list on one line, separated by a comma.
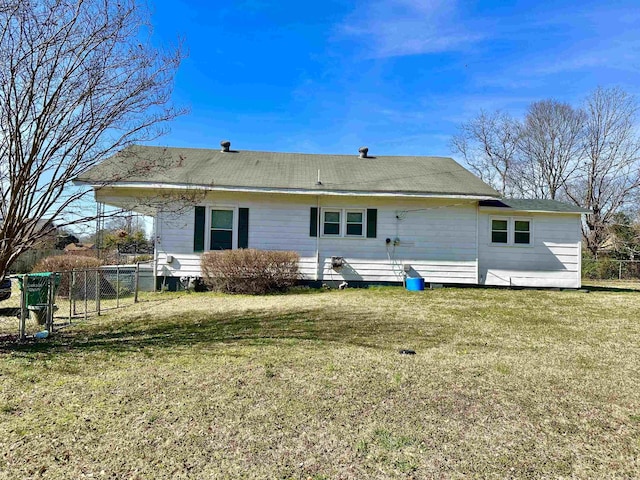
[(511, 209), (291, 191)]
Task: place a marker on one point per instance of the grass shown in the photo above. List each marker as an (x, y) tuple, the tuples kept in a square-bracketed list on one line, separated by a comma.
[(64, 314), (504, 384)]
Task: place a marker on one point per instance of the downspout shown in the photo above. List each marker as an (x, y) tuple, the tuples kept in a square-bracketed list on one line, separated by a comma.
[(155, 250), (317, 237), (580, 254), (477, 243)]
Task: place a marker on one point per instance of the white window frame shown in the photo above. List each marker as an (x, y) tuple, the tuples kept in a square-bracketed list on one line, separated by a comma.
[(343, 221), (500, 219), (523, 219), (234, 230), (340, 221), (511, 231), (363, 212)]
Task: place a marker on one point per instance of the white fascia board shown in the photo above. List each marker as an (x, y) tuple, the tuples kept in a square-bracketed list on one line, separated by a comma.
[(510, 209), (350, 193)]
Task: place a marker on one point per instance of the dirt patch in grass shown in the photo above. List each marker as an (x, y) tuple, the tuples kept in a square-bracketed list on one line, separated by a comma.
[(504, 384)]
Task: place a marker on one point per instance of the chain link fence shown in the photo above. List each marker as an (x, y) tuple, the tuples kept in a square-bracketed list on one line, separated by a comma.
[(52, 300), (96, 290), (610, 269)]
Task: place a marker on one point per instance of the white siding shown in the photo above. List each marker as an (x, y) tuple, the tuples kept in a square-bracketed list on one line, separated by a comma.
[(436, 237), (553, 259), (443, 241)]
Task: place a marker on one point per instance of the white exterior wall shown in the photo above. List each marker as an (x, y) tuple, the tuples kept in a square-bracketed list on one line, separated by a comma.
[(553, 259), (443, 240), (437, 237)]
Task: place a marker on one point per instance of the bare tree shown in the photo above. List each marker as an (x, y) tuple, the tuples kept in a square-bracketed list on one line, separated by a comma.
[(79, 81), (608, 178), (488, 144), (550, 145)]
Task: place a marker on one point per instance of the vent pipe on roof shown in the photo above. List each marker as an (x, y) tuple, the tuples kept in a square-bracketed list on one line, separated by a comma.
[(225, 144), (363, 152)]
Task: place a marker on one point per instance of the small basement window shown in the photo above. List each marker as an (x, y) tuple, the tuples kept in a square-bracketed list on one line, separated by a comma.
[(522, 232), (500, 231)]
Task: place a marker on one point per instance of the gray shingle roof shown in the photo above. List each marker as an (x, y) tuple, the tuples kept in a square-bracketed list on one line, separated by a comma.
[(534, 205), (288, 171)]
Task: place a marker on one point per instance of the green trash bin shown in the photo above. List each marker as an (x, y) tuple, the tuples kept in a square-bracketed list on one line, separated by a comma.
[(38, 287), (38, 292)]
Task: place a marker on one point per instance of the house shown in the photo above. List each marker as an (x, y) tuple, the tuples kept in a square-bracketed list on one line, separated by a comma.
[(359, 218), (87, 249)]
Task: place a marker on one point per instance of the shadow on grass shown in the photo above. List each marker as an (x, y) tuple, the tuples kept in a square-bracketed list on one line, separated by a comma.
[(600, 288), (248, 328), (9, 312)]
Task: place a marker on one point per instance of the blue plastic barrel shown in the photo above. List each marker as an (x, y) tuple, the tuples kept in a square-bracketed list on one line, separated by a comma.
[(415, 284)]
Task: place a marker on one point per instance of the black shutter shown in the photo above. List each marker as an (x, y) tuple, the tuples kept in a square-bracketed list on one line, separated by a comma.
[(243, 228), (313, 222), (198, 230), (372, 222)]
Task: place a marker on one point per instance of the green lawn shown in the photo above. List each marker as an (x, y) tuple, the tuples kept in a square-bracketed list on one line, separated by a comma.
[(505, 384)]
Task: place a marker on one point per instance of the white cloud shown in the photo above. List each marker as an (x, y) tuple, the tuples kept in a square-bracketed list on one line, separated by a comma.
[(408, 27), (622, 57), (534, 71), (569, 64)]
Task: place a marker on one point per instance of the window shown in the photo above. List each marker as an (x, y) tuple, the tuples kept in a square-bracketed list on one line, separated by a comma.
[(346, 223), (355, 222), (499, 231), (511, 231), (221, 230), (331, 222), (522, 232)]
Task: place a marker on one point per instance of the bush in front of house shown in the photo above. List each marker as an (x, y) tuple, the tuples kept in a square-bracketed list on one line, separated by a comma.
[(66, 263), (250, 271)]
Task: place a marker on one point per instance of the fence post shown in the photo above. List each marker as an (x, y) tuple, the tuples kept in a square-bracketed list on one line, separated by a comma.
[(72, 282), (86, 294), (136, 283), (98, 291), (118, 285), (23, 308), (50, 284), (620, 270)]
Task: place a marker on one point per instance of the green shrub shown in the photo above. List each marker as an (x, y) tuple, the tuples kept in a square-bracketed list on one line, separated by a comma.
[(600, 269), (142, 258), (588, 267), (66, 263), (250, 271)]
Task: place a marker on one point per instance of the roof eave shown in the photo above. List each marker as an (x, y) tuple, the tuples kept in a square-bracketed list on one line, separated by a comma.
[(527, 210), (293, 191)]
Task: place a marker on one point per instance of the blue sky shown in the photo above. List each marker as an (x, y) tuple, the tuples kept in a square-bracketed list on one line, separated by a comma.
[(395, 75)]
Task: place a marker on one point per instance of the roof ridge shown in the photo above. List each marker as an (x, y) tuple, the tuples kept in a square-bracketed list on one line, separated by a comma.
[(354, 155)]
